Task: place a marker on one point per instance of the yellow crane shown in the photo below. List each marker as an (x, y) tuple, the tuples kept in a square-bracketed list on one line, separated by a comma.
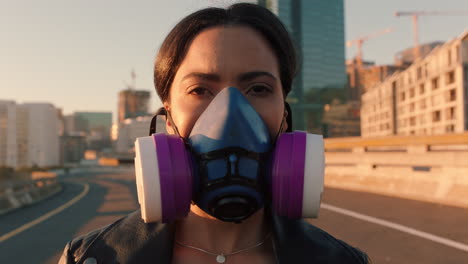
[(360, 41), (415, 16)]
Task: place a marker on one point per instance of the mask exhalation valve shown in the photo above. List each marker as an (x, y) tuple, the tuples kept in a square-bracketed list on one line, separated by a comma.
[(233, 209)]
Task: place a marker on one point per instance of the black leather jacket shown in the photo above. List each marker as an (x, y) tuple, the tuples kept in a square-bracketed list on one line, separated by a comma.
[(130, 240)]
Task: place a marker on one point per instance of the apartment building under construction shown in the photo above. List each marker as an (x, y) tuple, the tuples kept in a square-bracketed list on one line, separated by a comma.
[(429, 97)]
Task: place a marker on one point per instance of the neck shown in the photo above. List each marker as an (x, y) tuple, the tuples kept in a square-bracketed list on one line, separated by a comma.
[(204, 231)]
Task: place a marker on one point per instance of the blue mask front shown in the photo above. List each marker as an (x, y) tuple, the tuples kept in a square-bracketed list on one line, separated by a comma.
[(231, 145), (229, 167)]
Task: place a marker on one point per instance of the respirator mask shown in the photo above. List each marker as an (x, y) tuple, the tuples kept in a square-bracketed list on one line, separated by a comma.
[(229, 166)]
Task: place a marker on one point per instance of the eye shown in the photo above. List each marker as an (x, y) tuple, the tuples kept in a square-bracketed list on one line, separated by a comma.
[(200, 91), (260, 90)]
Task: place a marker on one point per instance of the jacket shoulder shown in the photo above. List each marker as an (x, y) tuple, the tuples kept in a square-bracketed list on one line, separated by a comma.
[(336, 249), (301, 242), (125, 241), (75, 251)]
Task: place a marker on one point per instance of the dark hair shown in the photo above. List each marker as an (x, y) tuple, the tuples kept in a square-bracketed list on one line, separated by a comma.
[(175, 46)]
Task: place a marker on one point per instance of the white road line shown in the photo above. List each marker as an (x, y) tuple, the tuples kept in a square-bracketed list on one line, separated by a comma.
[(402, 228), (46, 216)]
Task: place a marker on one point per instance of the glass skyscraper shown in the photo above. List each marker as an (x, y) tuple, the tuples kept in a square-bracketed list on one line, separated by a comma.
[(317, 27), (93, 121)]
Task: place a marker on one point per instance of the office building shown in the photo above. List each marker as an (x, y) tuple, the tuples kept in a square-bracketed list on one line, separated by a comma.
[(99, 122), (22, 136), (406, 56), (127, 132), (132, 104), (8, 149), (362, 77), (429, 97), (72, 148), (317, 28), (378, 113), (29, 135), (69, 124), (341, 119), (43, 134), (95, 126)]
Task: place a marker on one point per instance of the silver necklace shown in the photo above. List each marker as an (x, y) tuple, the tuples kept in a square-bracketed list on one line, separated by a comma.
[(221, 257)]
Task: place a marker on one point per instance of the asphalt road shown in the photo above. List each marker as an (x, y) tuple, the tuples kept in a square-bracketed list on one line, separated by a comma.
[(109, 196), (390, 230), (388, 245)]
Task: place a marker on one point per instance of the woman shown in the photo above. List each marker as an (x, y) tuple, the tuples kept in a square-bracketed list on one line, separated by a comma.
[(244, 46)]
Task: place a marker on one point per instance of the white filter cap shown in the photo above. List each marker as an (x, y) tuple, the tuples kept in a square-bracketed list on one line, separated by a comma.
[(147, 179), (313, 176)]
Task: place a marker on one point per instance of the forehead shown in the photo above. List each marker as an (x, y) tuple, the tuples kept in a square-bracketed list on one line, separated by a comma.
[(229, 49)]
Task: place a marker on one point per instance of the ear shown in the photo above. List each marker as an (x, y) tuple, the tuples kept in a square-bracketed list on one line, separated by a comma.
[(169, 128)]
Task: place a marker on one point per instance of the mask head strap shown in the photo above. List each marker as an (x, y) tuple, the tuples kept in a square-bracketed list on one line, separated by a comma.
[(162, 111), (287, 109), (288, 117)]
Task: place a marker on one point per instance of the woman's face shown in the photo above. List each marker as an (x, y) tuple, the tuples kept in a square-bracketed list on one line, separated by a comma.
[(222, 57)]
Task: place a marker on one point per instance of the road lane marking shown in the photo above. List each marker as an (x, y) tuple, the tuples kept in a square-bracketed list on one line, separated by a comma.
[(402, 228), (46, 216)]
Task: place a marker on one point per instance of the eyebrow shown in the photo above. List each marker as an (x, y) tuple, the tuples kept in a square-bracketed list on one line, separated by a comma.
[(252, 75), (247, 76), (205, 76)]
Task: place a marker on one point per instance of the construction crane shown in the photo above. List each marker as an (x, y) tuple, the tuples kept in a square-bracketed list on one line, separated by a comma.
[(360, 41), (415, 15), (131, 86)]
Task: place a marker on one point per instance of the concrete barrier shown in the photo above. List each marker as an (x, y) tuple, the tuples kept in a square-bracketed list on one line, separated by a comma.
[(14, 195), (429, 168)]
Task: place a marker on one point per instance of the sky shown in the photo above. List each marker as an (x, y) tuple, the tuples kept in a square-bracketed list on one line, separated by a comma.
[(79, 54)]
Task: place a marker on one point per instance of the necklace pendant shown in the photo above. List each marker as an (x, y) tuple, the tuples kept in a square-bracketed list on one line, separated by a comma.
[(220, 258)]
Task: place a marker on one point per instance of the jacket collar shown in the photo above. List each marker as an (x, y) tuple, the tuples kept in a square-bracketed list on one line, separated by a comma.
[(295, 241)]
